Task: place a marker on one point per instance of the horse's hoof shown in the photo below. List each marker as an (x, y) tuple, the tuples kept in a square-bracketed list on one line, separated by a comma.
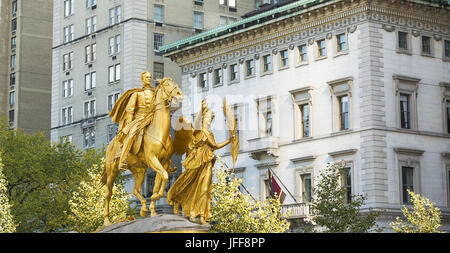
[(144, 213), (107, 222), (176, 210)]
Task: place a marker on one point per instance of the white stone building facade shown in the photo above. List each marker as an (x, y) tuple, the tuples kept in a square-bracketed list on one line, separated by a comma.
[(314, 82)]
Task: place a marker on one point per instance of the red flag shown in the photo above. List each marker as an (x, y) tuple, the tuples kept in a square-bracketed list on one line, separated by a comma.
[(275, 189)]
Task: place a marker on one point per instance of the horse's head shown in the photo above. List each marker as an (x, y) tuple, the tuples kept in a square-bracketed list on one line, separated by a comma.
[(169, 91)]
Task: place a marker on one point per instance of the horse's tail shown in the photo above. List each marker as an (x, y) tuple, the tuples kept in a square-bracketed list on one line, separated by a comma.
[(109, 151)]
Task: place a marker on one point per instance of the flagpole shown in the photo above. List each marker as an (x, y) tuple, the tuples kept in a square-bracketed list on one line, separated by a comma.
[(242, 184), (283, 185)]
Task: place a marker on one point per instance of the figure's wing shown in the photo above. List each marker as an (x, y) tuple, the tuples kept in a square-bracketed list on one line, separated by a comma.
[(184, 133), (231, 126)]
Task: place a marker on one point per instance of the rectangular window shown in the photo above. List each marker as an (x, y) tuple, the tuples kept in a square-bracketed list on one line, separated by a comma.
[(447, 109), (13, 42), (218, 77), (250, 66), (115, 15), (305, 121), (14, 7), (69, 33), (118, 14), (407, 183), (303, 53), (306, 187), (91, 53), (265, 119), (158, 70), (114, 45), (447, 48), (66, 139), (13, 25), (68, 7), (90, 81), (66, 34), (158, 40), (226, 20), (12, 62), (268, 117), (202, 80), (89, 109), (67, 61), (284, 54), (158, 12), (346, 182), (12, 97), (405, 117), (230, 3), (67, 115), (233, 72), (11, 116), (90, 3), (114, 73), (321, 47), (267, 60), (341, 42), (112, 99), (117, 72), (402, 40), (91, 25), (89, 137), (68, 88), (198, 20), (426, 45), (344, 112), (12, 79), (223, 21)]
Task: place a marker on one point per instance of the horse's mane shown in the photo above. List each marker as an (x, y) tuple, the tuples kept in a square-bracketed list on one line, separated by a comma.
[(161, 83)]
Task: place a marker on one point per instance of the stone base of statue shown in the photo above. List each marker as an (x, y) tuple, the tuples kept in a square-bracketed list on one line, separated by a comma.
[(161, 223)]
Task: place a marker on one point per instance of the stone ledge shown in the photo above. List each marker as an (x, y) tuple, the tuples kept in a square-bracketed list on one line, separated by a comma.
[(162, 223)]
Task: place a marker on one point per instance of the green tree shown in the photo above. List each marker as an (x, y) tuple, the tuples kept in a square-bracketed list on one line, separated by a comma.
[(88, 201), (6, 221), (41, 178), (235, 212), (424, 218), (332, 213)]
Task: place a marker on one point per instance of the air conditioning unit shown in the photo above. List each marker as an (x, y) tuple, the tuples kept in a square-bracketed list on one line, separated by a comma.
[(114, 57), (94, 7), (90, 65), (199, 3), (93, 36), (158, 24)]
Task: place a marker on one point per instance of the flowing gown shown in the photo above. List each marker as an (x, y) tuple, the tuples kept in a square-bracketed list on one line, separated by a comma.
[(192, 189)]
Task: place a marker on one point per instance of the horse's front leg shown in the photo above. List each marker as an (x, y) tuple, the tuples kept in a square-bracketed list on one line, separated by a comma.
[(139, 176), (155, 196)]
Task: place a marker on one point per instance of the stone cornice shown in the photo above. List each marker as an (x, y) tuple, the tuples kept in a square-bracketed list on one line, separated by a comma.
[(406, 151), (345, 16), (343, 152)]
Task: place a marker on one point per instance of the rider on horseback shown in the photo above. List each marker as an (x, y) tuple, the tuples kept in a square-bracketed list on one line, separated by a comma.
[(133, 111)]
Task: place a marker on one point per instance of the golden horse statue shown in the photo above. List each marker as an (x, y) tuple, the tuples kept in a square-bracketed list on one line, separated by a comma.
[(154, 150)]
